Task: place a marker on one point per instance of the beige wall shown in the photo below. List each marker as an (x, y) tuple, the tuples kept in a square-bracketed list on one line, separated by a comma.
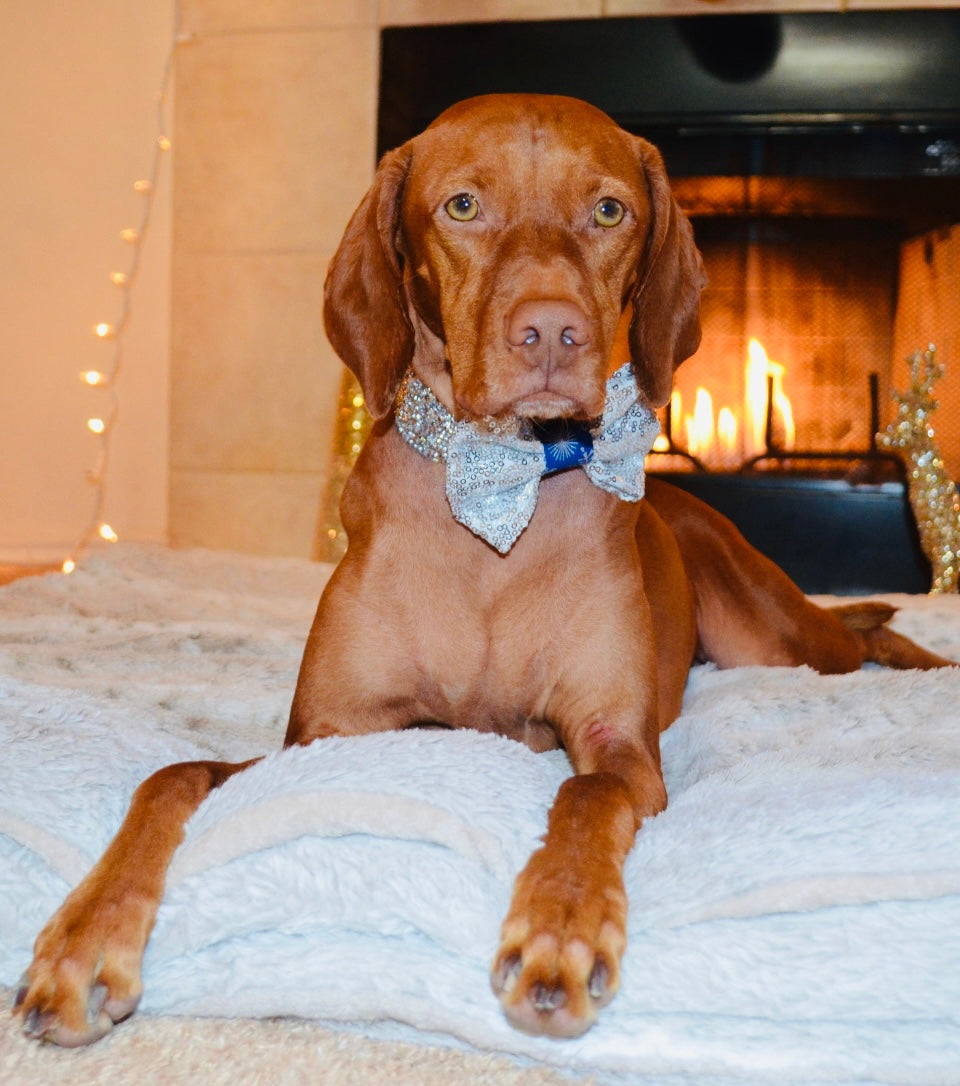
[(77, 124), (276, 108)]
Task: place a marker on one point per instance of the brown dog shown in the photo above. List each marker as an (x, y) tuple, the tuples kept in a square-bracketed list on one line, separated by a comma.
[(513, 258)]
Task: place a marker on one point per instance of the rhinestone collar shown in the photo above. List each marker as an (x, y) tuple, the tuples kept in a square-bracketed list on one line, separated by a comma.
[(427, 426)]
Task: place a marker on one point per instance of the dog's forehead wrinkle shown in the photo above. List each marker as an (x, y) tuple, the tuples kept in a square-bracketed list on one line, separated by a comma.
[(544, 155)]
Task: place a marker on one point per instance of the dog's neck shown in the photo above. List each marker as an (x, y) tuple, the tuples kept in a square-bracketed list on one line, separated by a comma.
[(494, 466), (427, 426)]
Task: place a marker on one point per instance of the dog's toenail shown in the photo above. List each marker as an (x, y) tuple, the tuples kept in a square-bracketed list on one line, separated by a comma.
[(35, 1023), (597, 985), (547, 998), (20, 996), (98, 996), (505, 976)]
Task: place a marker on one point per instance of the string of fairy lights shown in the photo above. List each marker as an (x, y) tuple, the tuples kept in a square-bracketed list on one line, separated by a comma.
[(104, 379)]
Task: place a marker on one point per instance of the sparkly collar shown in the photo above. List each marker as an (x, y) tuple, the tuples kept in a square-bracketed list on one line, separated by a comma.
[(427, 426), (494, 467)]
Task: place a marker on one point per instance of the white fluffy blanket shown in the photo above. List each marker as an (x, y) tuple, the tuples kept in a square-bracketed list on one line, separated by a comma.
[(795, 913)]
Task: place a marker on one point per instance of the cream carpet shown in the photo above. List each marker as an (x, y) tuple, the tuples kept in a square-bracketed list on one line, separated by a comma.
[(172, 1051)]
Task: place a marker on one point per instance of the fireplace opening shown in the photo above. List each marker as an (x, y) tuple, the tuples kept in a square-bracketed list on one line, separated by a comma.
[(818, 157), (808, 318), (798, 319)]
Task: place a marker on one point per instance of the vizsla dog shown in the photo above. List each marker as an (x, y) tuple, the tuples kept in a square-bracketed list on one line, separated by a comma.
[(513, 294)]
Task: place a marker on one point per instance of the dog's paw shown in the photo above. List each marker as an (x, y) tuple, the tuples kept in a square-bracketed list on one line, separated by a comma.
[(560, 948), (85, 974)]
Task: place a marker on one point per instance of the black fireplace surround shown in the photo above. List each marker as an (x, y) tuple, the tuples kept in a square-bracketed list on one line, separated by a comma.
[(852, 94), (857, 95)]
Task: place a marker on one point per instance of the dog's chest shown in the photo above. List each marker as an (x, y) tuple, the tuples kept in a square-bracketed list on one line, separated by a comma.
[(475, 639), (478, 659), (504, 661)]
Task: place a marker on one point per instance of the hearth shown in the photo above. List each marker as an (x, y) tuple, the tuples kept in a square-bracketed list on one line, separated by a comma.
[(818, 156)]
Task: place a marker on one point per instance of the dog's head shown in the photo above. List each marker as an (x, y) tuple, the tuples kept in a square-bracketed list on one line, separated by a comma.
[(501, 250)]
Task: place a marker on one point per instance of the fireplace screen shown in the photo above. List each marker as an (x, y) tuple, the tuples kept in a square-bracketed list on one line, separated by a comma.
[(797, 318), (808, 319)]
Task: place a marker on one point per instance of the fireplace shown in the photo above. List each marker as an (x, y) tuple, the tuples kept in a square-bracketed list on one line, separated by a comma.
[(818, 156)]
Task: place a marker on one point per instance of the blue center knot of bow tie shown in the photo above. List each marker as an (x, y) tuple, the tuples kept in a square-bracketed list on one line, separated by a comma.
[(565, 444)]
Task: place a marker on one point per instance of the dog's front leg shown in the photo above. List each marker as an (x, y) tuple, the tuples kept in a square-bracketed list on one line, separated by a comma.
[(85, 973), (565, 933)]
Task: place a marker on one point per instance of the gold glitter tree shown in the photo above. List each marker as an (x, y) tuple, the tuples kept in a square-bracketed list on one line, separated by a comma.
[(933, 494), (353, 425)]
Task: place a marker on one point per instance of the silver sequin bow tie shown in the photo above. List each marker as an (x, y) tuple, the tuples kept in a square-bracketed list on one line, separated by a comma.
[(494, 468)]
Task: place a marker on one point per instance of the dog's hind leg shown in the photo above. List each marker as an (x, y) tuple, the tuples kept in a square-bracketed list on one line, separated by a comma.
[(868, 620), (750, 612), (85, 974)]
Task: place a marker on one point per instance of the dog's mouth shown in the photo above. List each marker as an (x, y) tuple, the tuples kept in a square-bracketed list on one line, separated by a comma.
[(529, 397), (545, 405), (534, 409)]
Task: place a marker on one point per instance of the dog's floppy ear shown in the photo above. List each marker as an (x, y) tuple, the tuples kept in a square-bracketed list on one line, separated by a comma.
[(665, 328), (364, 311)]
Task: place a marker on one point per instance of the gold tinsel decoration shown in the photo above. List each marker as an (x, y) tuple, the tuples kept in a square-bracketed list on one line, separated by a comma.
[(933, 495), (352, 426)]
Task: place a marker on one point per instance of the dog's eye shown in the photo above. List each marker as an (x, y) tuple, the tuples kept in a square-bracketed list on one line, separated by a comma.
[(463, 207), (608, 212)]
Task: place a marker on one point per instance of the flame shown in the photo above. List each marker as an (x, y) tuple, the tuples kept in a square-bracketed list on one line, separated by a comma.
[(759, 367), (716, 439), (713, 442), (676, 408), (727, 436), (699, 426)]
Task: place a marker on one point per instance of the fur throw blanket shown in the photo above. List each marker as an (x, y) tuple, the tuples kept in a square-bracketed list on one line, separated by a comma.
[(794, 913)]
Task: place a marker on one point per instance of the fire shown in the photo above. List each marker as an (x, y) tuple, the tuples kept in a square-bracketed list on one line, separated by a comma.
[(759, 368), (699, 425), (727, 434), (715, 440)]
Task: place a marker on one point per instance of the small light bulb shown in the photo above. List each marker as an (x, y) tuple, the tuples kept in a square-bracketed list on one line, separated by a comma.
[(96, 425), (93, 377), (356, 424), (107, 533), (358, 401), (119, 279), (68, 565), (142, 185), (129, 235), (103, 330), (331, 533), (163, 143)]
